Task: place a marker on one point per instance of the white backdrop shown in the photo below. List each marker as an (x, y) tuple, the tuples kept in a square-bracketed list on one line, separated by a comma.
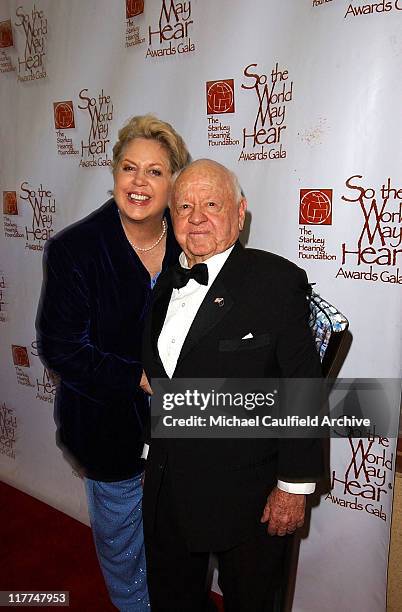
[(302, 99)]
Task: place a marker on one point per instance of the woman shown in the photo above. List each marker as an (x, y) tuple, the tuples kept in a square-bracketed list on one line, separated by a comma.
[(97, 290)]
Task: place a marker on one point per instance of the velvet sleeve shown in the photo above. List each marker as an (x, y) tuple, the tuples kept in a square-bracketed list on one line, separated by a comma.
[(63, 333), (300, 459)]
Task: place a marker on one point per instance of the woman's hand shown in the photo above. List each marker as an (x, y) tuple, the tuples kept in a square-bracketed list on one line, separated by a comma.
[(144, 384)]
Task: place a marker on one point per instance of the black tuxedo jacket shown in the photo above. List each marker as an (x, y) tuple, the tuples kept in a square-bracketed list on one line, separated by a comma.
[(220, 486)]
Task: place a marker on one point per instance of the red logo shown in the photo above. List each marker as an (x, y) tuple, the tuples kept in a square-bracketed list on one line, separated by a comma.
[(10, 203), (134, 8), (63, 115), (315, 207), (6, 34), (20, 356), (220, 97)]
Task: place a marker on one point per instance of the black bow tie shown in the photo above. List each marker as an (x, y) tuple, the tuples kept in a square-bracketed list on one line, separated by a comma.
[(181, 276)]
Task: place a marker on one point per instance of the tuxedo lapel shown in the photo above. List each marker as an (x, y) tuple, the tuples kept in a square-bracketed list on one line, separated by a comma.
[(218, 301), (216, 305)]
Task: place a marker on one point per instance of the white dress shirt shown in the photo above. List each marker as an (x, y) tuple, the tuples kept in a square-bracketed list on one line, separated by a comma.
[(183, 307)]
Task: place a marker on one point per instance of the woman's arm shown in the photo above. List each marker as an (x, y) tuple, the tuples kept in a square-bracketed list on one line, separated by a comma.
[(63, 324)]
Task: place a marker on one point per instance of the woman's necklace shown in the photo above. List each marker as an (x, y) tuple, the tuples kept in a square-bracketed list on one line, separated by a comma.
[(144, 250)]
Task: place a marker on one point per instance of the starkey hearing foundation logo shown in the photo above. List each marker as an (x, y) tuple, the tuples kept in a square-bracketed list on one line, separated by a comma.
[(172, 33), (134, 8), (63, 114), (33, 25), (367, 480), (10, 206), (376, 254), (315, 208), (8, 431), (220, 100), (20, 356), (220, 97), (6, 41), (6, 34), (95, 147), (265, 137), (359, 8), (11, 224)]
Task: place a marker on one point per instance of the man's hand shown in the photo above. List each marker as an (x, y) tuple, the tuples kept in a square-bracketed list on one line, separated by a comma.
[(144, 384), (284, 512)]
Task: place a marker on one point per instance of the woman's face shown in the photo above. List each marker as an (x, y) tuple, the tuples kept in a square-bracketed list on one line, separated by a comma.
[(142, 180)]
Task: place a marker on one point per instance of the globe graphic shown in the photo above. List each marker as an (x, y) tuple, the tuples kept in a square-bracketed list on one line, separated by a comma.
[(134, 8), (220, 97), (64, 115), (10, 203), (6, 36), (315, 207)]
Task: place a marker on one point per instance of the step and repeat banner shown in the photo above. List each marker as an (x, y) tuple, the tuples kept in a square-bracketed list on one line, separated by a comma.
[(302, 99)]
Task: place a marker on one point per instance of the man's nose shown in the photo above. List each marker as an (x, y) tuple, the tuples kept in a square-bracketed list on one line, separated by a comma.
[(197, 215)]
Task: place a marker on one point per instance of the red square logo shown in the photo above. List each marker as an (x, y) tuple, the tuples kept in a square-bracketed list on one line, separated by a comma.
[(6, 34), (10, 206), (134, 8), (315, 207), (63, 115), (220, 97), (20, 356)]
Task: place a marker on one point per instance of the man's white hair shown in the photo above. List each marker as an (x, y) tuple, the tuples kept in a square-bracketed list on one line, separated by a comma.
[(237, 190)]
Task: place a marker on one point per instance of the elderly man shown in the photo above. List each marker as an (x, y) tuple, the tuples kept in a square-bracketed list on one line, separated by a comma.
[(226, 312)]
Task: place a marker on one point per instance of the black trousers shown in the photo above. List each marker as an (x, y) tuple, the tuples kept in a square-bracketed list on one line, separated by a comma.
[(249, 574)]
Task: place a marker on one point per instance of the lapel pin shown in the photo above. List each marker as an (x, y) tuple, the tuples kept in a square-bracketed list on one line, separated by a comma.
[(220, 301)]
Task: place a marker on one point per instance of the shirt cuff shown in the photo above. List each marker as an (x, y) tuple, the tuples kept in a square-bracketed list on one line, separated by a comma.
[(300, 488), (145, 450)]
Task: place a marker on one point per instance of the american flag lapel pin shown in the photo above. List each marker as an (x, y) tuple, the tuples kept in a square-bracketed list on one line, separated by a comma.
[(220, 301)]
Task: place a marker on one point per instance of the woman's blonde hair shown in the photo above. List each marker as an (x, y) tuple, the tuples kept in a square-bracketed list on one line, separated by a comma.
[(149, 126)]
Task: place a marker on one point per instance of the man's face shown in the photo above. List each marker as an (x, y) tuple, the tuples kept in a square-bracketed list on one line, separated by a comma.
[(206, 217)]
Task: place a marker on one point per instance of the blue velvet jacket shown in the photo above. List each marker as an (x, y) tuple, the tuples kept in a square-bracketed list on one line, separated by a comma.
[(95, 296)]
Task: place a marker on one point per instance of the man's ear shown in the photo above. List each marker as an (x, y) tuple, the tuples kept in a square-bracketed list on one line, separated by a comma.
[(242, 212)]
